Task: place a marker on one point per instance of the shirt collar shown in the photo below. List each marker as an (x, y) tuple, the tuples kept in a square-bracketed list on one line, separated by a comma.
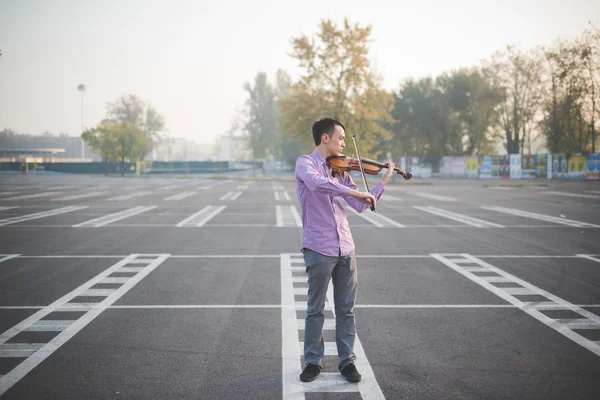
[(318, 156)]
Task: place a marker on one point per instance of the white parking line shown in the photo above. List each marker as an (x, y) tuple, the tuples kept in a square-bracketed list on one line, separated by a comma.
[(287, 216), (231, 196), (180, 196), (201, 217), (43, 214), (458, 217), (129, 196), (523, 288), (78, 196), (433, 196), (379, 220), (541, 217), (586, 196), (38, 352), (32, 196), (110, 218), (4, 257), (327, 382)]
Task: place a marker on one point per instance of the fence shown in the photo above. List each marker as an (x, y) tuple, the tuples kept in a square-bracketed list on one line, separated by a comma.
[(509, 166)]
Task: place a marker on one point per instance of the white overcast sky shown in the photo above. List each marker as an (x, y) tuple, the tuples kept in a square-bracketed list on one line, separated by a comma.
[(190, 59)]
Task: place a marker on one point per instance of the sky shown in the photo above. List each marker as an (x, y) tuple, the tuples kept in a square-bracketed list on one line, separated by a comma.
[(190, 59)]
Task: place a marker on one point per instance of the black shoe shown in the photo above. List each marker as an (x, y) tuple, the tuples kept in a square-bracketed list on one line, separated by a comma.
[(310, 373), (350, 373)]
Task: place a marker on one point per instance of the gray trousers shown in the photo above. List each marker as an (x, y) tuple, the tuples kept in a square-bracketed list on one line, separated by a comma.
[(342, 271)]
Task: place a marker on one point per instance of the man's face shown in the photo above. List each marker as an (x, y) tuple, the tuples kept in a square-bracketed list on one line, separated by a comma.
[(335, 144)]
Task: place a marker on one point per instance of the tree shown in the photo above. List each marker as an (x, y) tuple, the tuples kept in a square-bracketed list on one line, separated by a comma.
[(261, 124), (337, 81), (130, 108), (515, 75), (117, 142)]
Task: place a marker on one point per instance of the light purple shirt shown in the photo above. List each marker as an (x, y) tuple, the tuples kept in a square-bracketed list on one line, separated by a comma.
[(324, 217)]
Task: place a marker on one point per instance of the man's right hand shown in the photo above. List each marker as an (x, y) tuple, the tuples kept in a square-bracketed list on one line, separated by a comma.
[(363, 197)]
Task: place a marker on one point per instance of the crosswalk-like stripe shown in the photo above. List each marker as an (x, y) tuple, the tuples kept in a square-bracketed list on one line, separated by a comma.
[(35, 353), (287, 216), (522, 288)]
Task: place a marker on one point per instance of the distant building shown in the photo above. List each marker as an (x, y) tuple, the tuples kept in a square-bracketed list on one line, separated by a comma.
[(231, 148), (179, 149)]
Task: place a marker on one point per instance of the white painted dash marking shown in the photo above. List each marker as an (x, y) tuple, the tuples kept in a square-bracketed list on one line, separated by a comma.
[(433, 196), (459, 217), (201, 217), (110, 218), (79, 196), (541, 217), (43, 214), (129, 196)]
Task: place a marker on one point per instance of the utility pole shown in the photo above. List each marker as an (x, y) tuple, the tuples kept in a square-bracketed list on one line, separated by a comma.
[(81, 88)]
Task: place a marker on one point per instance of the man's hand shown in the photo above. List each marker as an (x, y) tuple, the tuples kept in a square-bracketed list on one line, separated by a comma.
[(363, 197), (390, 170)]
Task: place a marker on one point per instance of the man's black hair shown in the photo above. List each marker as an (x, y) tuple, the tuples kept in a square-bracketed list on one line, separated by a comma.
[(324, 125)]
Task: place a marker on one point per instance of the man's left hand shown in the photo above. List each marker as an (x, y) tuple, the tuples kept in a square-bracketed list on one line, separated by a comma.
[(390, 170)]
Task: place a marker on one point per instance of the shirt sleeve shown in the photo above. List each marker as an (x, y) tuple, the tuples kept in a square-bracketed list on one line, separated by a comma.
[(315, 181), (376, 191)]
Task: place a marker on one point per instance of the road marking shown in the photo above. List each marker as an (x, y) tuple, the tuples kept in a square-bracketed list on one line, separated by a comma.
[(78, 196), (275, 306), (283, 194), (433, 196), (129, 196), (379, 220), (586, 196), (35, 353), (292, 348), (287, 216), (8, 208), (5, 257), (277, 186), (231, 196), (43, 214), (201, 217), (589, 257), (541, 217), (31, 196), (180, 196), (479, 223), (522, 287), (110, 218), (390, 198)]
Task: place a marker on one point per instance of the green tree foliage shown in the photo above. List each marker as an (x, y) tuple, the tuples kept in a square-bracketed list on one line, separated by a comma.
[(260, 128), (117, 142), (449, 116), (337, 81), (130, 108)]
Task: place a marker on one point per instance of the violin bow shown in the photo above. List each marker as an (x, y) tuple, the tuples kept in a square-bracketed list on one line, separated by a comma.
[(361, 168)]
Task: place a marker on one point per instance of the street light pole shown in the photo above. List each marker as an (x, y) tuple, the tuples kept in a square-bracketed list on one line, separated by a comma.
[(81, 88)]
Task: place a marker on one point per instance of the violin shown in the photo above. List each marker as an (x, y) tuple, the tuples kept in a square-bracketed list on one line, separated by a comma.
[(338, 164)]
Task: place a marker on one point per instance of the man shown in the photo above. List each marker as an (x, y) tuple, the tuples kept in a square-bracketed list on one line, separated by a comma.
[(328, 247)]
